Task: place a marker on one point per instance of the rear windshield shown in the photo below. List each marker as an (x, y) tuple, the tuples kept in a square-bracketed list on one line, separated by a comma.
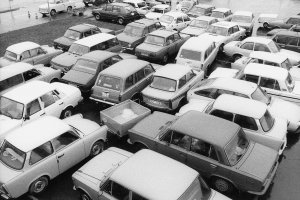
[(79, 49), (156, 40), (166, 19), (10, 82), (109, 82), (11, 156), (267, 121), (134, 30), (71, 34), (163, 83), (10, 55), (217, 14), (85, 66), (217, 30), (199, 23), (11, 108), (198, 10), (241, 18), (191, 55)]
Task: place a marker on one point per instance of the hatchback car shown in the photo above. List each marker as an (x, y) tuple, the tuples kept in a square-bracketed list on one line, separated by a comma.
[(36, 153), (244, 19), (175, 20), (288, 40), (222, 14), (200, 10), (157, 11), (264, 19), (199, 25)]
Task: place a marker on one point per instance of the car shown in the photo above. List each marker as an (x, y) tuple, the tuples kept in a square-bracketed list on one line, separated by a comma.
[(135, 33), (77, 32), (264, 19), (199, 25), (215, 147), (157, 11), (38, 152), (35, 99), (285, 23), (186, 5), (294, 28), (175, 20), (18, 73), (237, 49), (96, 2), (198, 52), (132, 172), (201, 10), (140, 6), (170, 83), (121, 81), (29, 52), (244, 19), (224, 72), (55, 6), (289, 40), (160, 45), (214, 87), (225, 32), (253, 116), (118, 12), (99, 41), (222, 14)]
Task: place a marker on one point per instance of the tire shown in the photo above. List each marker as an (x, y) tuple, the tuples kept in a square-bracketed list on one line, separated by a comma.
[(165, 59), (266, 25), (39, 185), (221, 48), (44, 15), (84, 196), (66, 113), (97, 148), (223, 186), (97, 17), (69, 9), (120, 21), (53, 12)]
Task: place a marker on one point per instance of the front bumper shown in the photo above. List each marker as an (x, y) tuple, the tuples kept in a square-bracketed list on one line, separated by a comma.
[(149, 56)]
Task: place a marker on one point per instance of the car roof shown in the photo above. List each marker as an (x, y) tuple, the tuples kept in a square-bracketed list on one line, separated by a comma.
[(95, 39), (261, 40), (272, 57), (267, 71), (199, 44), (14, 69), (144, 22), (244, 13), (201, 5), (288, 33), (134, 1), (29, 91), (154, 176), (163, 33), (208, 128), (221, 10), (98, 55), (161, 6), (205, 18), (175, 13), (268, 15), (125, 68), (240, 105), (224, 24), (22, 46), (120, 4), (172, 71), (37, 132), (82, 27)]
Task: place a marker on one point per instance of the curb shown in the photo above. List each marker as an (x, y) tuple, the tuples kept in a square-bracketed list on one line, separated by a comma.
[(9, 10)]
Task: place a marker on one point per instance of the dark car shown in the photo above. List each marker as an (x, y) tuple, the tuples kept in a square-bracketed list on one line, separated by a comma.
[(201, 9), (118, 12), (285, 23), (135, 33), (295, 28), (288, 40)]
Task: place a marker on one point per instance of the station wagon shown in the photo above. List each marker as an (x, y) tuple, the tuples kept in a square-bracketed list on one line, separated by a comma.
[(34, 154), (222, 14), (201, 10), (199, 25)]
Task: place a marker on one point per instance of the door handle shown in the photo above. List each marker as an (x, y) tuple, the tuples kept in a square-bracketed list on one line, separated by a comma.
[(61, 155), (42, 114), (213, 166)]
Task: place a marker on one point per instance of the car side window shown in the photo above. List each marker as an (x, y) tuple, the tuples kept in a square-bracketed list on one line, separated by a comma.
[(109, 8), (115, 59), (129, 82), (151, 28), (182, 82), (186, 18), (87, 33), (280, 39), (116, 9), (49, 99), (40, 153), (203, 148), (250, 78), (181, 140), (25, 55), (30, 74), (10, 82), (240, 95), (230, 31), (189, 76), (33, 107), (210, 93), (137, 197), (112, 43), (170, 39), (116, 190), (248, 46), (293, 41), (222, 114), (33, 52), (95, 31), (271, 63), (140, 75), (179, 20), (261, 47), (269, 83), (64, 140), (235, 29), (245, 122)]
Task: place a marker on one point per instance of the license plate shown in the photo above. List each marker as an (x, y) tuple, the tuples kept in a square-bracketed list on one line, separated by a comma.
[(154, 102), (105, 94)]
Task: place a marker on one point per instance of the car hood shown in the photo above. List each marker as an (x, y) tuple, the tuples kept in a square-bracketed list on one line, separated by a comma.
[(5, 62), (8, 124), (64, 41), (7, 174), (81, 78), (153, 15), (216, 38), (192, 31), (151, 125), (149, 47), (293, 56), (66, 59), (158, 94), (195, 104), (127, 38), (127, 56), (259, 161)]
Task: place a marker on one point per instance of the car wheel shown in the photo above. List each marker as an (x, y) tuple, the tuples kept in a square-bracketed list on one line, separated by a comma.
[(52, 12), (165, 59), (222, 185), (97, 148), (44, 15), (69, 10), (84, 196), (221, 48), (97, 17), (266, 25), (120, 21), (138, 146), (236, 57), (66, 113), (39, 185)]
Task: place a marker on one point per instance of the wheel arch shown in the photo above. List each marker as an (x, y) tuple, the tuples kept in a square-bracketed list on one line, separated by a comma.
[(215, 176), (47, 175)]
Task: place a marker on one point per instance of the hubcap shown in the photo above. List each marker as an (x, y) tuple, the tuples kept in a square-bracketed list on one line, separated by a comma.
[(222, 185), (96, 149), (39, 186), (68, 113)]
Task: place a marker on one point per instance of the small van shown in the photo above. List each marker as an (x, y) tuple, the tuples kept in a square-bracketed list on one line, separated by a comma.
[(121, 81)]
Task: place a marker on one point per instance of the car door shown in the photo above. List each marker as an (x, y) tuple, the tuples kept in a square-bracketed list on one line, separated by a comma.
[(143, 77), (180, 24), (129, 87), (59, 6), (209, 56), (246, 48), (236, 33), (69, 150), (52, 104), (25, 57), (33, 110), (39, 56), (116, 10), (107, 12), (178, 42), (171, 45), (114, 45), (204, 93)]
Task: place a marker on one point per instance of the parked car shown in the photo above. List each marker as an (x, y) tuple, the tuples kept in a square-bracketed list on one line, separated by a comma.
[(222, 14), (253, 116), (34, 99), (214, 87), (19, 73), (186, 5), (154, 180), (215, 147), (244, 19), (285, 23), (157, 11), (294, 28), (225, 32), (140, 6), (169, 86), (119, 12), (96, 2), (121, 81), (77, 32), (289, 40), (160, 45), (264, 19), (237, 49), (135, 33), (175, 20), (29, 52), (198, 53), (199, 25), (36, 153), (224, 72), (200, 10), (99, 41), (54, 6)]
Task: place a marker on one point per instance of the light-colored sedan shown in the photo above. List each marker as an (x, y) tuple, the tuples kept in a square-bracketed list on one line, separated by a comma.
[(222, 14), (199, 25), (36, 153), (244, 19), (29, 52), (157, 11)]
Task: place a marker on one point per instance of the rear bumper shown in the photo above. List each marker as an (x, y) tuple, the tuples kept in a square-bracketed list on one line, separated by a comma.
[(102, 101)]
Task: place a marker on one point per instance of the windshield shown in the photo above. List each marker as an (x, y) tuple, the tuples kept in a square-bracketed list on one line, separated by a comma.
[(78, 49), (286, 64), (191, 55), (129, 9), (166, 19), (236, 148), (273, 47), (10, 55), (199, 23), (198, 10), (109, 82), (217, 14), (157, 10), (217, 30), (12, 156), (156, 40), (241, 18), (134, 30), (197, 190), (267, 121), (71, 34), (290, 83), (11, 108), (260, 95), (85, 66), (162, 83)]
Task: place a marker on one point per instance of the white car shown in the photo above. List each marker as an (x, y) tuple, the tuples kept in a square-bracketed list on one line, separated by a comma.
[(36, 153), (224, 72), (175, 20), (253, 116), (34, 99), (264, 19), (140, 6), (214, 87), (237, 49), (244, 19), (54, 6), (222, 14), (157, 11), (225, 32), (199, 25)]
